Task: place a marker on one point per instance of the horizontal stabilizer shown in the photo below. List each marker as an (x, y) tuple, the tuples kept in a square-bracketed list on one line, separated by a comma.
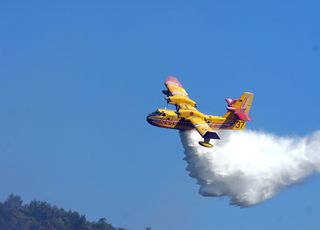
[(240, 107), (230, 101), (242, 115)]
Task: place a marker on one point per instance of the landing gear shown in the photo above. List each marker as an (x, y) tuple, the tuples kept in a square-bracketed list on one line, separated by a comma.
[(206, 143)]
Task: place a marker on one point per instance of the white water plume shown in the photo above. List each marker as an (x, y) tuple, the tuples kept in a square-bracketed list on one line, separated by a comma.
[(249, 166)]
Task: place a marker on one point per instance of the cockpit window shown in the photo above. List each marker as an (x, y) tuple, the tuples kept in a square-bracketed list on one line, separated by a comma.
[(157, 113)]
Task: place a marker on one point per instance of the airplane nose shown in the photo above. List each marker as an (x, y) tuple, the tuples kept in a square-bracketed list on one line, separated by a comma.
[(149, 120)]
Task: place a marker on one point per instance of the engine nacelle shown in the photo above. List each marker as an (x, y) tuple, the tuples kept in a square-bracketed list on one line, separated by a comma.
[(187, 113), (174, 100)]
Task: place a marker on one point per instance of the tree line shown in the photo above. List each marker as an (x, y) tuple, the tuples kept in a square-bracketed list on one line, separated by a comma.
[(40, 215)]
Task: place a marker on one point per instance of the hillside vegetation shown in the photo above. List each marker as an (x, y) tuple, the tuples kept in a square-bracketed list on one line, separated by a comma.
[(39, 215)]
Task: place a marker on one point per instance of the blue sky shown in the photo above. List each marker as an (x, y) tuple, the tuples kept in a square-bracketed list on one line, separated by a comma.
[(77, 79)]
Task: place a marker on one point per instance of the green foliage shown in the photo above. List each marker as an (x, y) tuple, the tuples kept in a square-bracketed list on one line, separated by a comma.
[(39, 215)]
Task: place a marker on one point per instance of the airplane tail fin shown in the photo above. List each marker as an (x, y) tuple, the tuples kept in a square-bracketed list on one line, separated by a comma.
[(238, 111)]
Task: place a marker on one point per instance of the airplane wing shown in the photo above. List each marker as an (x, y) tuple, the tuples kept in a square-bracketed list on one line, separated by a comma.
[(203, 128), (177, 95), (175, 88)]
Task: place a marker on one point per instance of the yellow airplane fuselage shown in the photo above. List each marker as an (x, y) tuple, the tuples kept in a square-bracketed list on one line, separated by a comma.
[(170, 119), (187, 116)]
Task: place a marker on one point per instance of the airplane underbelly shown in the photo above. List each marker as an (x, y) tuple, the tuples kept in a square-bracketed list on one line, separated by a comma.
[(184, 125)]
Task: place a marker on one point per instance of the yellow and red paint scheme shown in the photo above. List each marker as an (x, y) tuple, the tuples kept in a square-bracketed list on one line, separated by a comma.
[(187, 116), (170, 119)]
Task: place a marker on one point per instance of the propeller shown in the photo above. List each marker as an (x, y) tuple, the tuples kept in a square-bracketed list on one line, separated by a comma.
[(166, 92), (166, 103)]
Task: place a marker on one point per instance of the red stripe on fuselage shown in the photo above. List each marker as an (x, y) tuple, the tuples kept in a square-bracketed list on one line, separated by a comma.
[(185, 125)]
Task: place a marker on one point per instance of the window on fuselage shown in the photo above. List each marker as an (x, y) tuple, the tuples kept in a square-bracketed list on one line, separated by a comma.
[(157, 113)]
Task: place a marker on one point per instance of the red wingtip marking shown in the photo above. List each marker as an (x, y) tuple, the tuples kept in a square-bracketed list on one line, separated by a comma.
[(172, 79)]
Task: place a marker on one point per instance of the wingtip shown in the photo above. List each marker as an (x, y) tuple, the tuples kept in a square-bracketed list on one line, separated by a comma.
[(247, 92), (173, 80)]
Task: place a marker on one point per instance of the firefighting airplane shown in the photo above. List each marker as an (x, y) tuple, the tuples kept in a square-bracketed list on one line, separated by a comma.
[(187, 117)]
